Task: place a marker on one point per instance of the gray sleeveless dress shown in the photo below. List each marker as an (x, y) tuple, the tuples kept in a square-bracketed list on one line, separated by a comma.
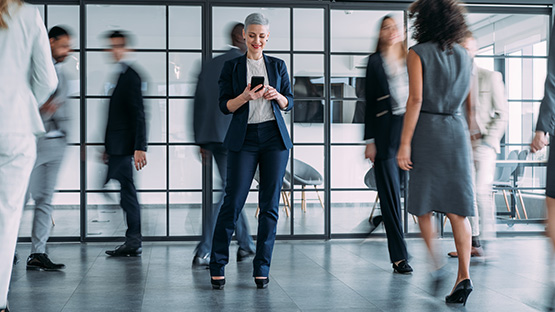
[(441, 178)]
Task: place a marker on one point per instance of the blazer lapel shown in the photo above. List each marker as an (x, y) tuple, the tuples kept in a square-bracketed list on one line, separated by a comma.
[(382, 75), (270, 68), (242, 73)]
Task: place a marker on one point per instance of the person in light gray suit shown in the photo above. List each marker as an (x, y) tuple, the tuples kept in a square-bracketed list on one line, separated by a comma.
[(50, 153), (545, 125), (210, 126)]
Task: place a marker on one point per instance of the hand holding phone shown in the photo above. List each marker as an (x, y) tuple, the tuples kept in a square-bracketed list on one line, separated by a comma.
[(257, 81)]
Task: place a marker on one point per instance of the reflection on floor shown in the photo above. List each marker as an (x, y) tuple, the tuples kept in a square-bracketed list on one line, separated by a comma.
[(337, 275), (107, 221)]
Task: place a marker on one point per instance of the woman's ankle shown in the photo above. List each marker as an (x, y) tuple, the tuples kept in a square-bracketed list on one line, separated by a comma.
[(216, 278)]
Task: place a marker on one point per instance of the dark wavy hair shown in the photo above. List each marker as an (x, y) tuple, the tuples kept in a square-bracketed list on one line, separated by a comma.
[(440, 21)]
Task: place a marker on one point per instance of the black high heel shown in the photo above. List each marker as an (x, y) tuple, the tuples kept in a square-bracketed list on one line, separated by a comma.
[(217, 284), (460, 293), (261, 282)]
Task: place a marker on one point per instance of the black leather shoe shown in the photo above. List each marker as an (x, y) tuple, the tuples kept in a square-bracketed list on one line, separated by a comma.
[(374, 223), (402, 268), (41, 262), (243, 254), (201, 262), (125, 251), (15, 259), (460, 293), (217, 284), (261, 283)]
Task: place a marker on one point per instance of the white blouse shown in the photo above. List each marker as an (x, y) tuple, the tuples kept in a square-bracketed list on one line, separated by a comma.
[(398, 79), (259, 110)]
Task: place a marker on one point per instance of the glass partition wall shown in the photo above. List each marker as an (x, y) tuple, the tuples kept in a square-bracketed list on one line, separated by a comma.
[(326, 48)]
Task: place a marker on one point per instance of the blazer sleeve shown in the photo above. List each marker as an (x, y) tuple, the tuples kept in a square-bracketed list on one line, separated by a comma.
[(546, 118), (285, 87), (43, 74), (496, 126), (226, 86), (370, 90), (136, 98)]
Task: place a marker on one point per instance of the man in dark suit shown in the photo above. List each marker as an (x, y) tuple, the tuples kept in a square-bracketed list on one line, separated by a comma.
[(126, 143), (210, 126)]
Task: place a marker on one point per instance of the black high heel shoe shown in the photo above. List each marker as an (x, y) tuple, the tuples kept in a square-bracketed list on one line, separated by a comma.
[(460, 293), (261, 282), (217, 284)]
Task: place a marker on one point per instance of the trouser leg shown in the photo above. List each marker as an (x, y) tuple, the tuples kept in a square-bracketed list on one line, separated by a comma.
[(388, 184)]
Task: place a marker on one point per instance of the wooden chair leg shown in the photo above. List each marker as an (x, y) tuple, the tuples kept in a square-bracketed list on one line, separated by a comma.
[(303, 200), (318, 194), (285, 203), (257, 212), (522, 204), (516, 206), (54, 223), (506, 200), (414, 218), (373, 208), (445, 221)]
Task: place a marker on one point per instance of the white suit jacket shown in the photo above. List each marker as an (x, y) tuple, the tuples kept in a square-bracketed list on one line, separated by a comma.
[(491, 109), (27, 74)]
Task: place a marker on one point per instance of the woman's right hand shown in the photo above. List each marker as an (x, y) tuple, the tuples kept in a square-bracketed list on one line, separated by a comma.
[(370, 152), (251, 94), (403, 157)]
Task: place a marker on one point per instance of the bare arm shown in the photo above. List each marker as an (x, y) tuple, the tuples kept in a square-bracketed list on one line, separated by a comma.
[(414, 103)]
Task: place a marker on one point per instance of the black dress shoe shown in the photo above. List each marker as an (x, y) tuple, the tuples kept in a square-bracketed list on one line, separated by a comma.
[(41, 262), (15, 259), (374, 223), (201, 262), (402, 268), (460, 293), (217, 284), (243, 254), (125, 251), (261, 283)]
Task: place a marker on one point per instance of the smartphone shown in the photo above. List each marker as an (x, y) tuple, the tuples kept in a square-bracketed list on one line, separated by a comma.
[(257, 80)]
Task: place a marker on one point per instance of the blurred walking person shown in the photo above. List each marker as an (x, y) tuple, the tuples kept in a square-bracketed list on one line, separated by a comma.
[(50, 153), (435, 141), (210, 126), (27, 79)]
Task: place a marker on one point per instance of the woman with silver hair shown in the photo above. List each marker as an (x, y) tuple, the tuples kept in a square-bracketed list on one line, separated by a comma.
[(255, 88)]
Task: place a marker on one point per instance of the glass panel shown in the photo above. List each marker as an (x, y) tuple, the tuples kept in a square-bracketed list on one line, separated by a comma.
[(181, 121), (72, 107), (184, 69), (311, 220), (71, 69), (105, 218), (308, 27), (65, 215), (39, 7), (153, 176), (357, 31), (508, 33), (310, 167), (348, 167), (130, 18), (309, 83), (186, 213), (185, 27), (348, 73), (67, 17), (97, 117), (224, 17), (102, 73), (68, 177), (350, 211), (347, 121), (186, 168)]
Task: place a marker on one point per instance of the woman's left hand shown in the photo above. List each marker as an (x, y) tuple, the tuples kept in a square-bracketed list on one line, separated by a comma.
[(403, 157), (271, 94)]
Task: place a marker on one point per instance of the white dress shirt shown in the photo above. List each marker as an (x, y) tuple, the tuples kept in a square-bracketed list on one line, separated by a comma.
[(27, 74), (259, 110)]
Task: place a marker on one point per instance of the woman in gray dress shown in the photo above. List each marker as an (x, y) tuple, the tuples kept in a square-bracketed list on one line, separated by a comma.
[(435, 142)]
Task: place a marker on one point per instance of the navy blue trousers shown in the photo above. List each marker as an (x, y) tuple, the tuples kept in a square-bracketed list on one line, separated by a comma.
[(120, 168), (263, 147), (388, 181)]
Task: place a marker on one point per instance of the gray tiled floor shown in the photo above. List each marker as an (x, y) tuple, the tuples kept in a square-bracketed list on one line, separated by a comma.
[(338, 275)]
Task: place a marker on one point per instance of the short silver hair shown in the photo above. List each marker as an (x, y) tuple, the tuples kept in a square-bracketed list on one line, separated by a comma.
[(256, 19)]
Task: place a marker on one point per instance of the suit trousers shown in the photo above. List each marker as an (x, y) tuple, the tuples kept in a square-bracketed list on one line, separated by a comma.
[(388, 182), (263, 147), (242, 232), (120, 168), (483, 223), (50, 153), (17, 157)]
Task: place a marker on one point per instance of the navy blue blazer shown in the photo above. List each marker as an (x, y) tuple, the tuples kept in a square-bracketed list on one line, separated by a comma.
[(126, 128), (233, 81), (378, 117)]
